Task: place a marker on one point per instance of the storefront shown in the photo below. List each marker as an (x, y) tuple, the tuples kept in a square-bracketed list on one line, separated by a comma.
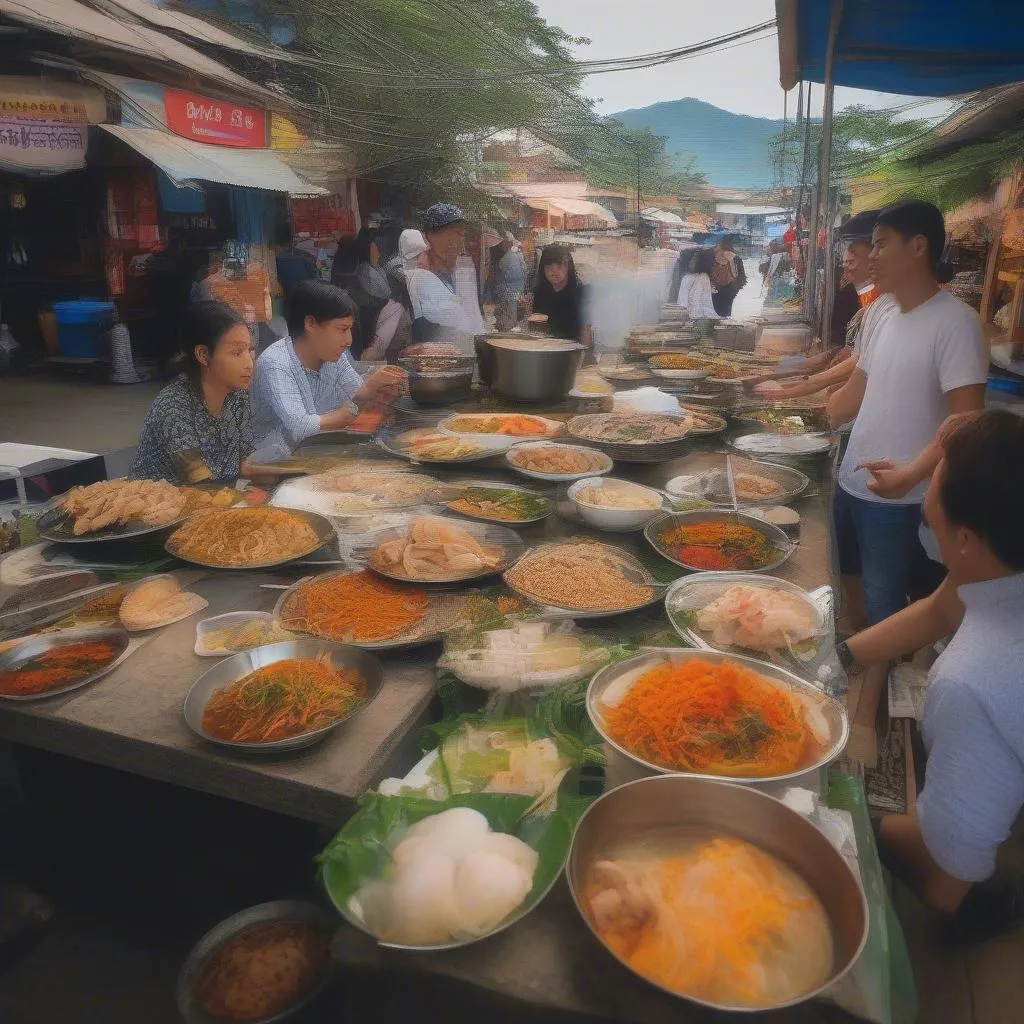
[(174, 196), (50, 204)]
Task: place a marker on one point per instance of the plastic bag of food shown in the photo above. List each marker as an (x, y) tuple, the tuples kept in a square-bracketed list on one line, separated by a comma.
[(517, 656), (645, 400)]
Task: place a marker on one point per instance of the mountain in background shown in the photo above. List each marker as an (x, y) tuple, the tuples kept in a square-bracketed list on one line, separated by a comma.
[(731, 149)]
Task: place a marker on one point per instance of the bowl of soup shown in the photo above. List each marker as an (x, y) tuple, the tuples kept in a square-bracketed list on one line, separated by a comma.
[(716, 893)]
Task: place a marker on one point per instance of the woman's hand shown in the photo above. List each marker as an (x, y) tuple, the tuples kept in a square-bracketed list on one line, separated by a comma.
[(382, 386)]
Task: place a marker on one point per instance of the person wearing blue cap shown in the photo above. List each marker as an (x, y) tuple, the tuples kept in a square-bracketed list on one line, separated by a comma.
[(445, 299)]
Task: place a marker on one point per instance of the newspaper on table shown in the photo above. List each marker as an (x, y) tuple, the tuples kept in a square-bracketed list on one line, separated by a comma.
[(908, 688)]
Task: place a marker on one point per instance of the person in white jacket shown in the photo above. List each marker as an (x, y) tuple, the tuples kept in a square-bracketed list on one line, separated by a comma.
[(445, 299), (695, 289)]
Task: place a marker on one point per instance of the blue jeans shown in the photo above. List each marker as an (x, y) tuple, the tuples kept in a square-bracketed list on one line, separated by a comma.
[(878, 541)]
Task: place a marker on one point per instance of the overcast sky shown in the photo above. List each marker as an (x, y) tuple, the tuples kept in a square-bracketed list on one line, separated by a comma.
[(743, 79)]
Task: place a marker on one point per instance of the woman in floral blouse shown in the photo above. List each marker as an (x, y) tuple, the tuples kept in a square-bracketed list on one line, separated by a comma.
[(199, 426)]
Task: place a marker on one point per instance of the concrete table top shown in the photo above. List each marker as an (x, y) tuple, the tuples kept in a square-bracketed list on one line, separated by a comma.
[(131, 720)]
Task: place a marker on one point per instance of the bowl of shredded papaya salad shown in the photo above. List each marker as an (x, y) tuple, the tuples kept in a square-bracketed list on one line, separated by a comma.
[(716, 716)]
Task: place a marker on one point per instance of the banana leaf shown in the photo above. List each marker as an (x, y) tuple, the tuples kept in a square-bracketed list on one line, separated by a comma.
[(361, 851)]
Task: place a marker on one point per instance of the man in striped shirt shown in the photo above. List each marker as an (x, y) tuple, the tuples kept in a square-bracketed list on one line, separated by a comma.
[(306, 382)]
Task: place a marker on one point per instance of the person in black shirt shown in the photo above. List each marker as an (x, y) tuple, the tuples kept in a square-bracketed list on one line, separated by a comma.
[(560, 296)]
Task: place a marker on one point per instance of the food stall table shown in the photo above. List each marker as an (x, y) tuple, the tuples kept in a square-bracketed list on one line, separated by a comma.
[(548, 968), (131, 720)]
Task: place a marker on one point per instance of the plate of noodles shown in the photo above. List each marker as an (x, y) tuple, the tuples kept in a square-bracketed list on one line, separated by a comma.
[(282, 696), (716, 716), (360, 608), (249, 538)]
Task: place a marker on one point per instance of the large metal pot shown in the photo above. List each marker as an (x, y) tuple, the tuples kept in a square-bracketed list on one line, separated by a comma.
[(440, 387), (534, 369), (649, 806)]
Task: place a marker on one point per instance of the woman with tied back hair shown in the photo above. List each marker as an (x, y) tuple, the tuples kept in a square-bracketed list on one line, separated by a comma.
[(561, 297), (199, 426)]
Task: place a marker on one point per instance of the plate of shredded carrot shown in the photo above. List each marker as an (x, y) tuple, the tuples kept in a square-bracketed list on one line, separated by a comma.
[(52, 663), (366, 610), (283, 696), (714, 715), (713, 540), (511, 424)]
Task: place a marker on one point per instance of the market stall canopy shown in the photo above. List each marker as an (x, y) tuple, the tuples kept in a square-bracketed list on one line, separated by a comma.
[(186, 162), (581, 208), (76, 20), (661, 216), (743, 210), (914, 47)]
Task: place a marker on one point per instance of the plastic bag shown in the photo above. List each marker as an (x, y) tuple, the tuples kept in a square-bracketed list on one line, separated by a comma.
[(645, 400)]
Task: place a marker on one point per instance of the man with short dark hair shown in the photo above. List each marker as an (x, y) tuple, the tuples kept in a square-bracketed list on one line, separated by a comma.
[(927, 360), (306, 383), (973, 724)]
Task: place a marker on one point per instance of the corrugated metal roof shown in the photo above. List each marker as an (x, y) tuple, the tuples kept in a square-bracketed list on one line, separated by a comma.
[(74, 19), (661, 216), (197, 29), (186, 162)]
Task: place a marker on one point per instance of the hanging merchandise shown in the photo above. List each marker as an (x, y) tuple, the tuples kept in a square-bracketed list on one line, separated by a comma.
[(132, 209), (115, 272), (323, 218)]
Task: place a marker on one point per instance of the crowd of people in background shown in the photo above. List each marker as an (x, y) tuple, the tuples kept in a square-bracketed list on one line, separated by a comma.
[(230, 404)]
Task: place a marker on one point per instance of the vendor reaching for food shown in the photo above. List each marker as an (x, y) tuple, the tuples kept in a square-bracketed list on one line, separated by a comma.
[(199, 426), (307, 383)]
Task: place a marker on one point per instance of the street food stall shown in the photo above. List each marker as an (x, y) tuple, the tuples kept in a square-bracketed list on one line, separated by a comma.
[(533, 584)]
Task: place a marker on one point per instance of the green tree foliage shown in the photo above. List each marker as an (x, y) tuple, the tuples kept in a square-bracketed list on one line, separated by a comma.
[(952, 178), (860, 138), (413, 86)]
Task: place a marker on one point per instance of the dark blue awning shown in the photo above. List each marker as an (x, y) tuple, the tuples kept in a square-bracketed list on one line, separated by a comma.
[(913, 47)]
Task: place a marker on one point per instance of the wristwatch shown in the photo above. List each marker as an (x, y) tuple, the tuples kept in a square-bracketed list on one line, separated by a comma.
[(846, 656), (350, 408)]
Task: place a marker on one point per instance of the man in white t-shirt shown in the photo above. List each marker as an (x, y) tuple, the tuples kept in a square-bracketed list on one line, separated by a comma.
[(926, 361)]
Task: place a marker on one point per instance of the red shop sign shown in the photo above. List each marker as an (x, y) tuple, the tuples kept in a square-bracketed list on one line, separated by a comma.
[(215, 122)]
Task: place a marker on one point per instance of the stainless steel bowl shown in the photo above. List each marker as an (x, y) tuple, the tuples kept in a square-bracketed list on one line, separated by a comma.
[(543, 372), (280, 911), (440, 387), (830, 713), (31, 647), (649, 805), (232, 669), (656, 527)]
